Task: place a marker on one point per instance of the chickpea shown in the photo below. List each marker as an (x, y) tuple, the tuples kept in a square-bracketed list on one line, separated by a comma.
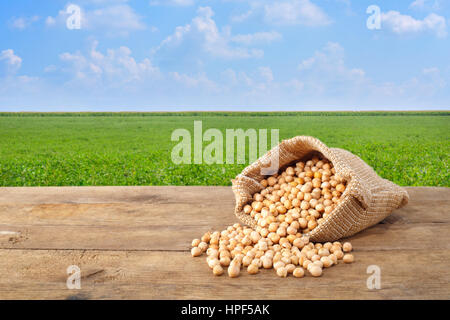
[(339, 254), (326, 261), (246, 261), (348, 258), (291, 230), (234, 270), (315, 257), (317, 263), (281, 232), (282, 272), (212, 254), (298, 273), (264, 232), (206, 237), (271, 181), (252, 269), (328, 209), (295, 259), (306, 263), (267, 263), (258, 197), (213, 262), (320, 208), (203, 246), (196, 251), (333, 258), (298, 243), (257, 262), (217, 270), (334, 248), (195, 242), (340, 188), (347, 247), (290, 268), (278, 264), (303, 223), (274, 237), (315, 271), (324, 252), (290, 171), (312, 224), (225, 261)]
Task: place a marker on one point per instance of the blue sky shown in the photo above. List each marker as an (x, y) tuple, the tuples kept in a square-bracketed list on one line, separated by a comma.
[(172, 55)]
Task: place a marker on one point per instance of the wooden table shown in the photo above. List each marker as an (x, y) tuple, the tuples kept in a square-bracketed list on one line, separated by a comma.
[(133, 243)]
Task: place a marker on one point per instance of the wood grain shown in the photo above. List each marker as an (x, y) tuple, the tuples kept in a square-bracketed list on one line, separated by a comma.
[(133, 243)]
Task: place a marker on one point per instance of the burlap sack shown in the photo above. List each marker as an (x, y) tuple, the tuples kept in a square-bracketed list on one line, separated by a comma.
[(367, 200)]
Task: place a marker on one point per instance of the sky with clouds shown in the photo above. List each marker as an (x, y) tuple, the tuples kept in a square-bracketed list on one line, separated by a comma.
[(150, 55)]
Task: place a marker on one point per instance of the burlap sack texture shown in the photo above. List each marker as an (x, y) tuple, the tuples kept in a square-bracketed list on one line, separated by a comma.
[(367, 200)]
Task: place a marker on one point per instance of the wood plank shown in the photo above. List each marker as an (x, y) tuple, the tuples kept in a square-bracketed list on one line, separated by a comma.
[(38, 274), (124, 219), (133, 242)]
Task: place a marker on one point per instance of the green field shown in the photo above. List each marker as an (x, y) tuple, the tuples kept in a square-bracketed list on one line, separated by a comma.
[(83, 149)]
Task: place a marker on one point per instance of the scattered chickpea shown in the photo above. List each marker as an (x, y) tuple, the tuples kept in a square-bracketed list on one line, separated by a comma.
[(218, 270), (203, 246), (290, 205), (225, 261), (234, 270), (347, 247), (282, 272), (315, 271), (326, 261), (252, 269), (298, 273), (196, 252), (290, 268), (339, 254), (348, 258)]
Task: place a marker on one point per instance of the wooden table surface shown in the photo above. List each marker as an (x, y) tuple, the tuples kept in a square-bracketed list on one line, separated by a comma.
[(133, 243)]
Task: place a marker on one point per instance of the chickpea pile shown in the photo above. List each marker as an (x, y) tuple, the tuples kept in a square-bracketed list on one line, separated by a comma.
[(291, 205), (297, 200), (242, 247)]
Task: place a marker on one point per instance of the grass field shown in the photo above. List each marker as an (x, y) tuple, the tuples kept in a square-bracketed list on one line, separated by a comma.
[(134, 149)]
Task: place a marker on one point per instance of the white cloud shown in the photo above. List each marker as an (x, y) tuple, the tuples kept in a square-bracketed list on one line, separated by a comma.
[(266, 73), (12, 61), (256, 38), (115, 67), (402, 24), (50, 21), (330, 62), (120, 17), (197, 81), (295, 84), (242, 17), (116, 19), (212, 41), (180, 3), (295, 12), (326, 79), (434, 78), (23, 22), (426, 4)]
